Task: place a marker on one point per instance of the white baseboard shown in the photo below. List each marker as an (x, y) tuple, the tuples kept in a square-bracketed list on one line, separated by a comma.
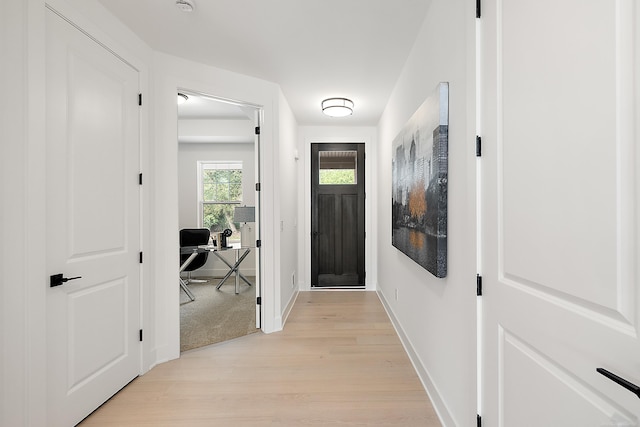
[(287, 309), (436, 399)]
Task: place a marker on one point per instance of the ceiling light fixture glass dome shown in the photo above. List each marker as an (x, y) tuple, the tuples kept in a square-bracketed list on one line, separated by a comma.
[(337, 107)]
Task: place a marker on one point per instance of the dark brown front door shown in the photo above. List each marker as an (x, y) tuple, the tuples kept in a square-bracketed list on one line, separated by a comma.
[(337, 215)]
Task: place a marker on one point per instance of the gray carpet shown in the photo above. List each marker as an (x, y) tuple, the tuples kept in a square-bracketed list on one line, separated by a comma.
[(216, 315)]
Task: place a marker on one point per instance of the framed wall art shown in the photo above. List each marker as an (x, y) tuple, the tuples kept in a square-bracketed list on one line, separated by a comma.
[(419, 184)]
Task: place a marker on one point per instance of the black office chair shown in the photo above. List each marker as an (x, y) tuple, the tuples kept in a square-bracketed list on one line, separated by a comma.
[(193, 237)]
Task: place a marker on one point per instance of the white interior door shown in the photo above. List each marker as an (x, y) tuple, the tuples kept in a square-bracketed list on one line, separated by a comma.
[(560, 194), (92, 222)]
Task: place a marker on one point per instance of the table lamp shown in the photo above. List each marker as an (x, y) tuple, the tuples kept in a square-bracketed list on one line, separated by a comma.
[(245, 214)]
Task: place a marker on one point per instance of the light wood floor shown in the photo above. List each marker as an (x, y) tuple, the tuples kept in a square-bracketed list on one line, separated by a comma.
[(337, 362)]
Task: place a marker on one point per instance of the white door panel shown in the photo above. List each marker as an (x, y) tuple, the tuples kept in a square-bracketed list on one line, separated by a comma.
[(92, 219), (96, 134), (560, 385), (560, 211), (106, 302), (558, 98)]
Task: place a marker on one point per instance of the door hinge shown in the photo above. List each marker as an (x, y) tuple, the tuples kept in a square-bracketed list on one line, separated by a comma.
[(259, 301), (479, 421), (478, 146), (140, 257), (257, 130), (258, 243), (139, 99), (140, 335), (478, 285), (257, 186), (478, 8), (140, 179)]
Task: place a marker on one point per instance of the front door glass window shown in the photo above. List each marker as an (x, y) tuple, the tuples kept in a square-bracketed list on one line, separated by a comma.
[(338, 168)]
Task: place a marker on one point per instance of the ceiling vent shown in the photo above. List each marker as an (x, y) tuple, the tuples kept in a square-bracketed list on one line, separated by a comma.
[(185, 5)]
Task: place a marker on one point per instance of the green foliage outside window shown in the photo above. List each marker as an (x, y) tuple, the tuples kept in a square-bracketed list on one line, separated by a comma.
[(337, 176), (222, 192)]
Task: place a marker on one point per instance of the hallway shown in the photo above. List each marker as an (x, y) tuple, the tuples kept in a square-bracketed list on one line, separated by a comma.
[(338, 361)]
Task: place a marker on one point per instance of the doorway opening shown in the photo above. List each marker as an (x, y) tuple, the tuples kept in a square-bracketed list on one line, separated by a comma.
[(218, 168), (337, 215)]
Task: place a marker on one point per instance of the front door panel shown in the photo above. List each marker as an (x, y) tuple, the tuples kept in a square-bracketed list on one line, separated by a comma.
[(337, 205)]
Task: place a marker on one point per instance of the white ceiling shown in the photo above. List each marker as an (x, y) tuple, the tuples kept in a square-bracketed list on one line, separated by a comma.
[(202, 119), (314, 49)]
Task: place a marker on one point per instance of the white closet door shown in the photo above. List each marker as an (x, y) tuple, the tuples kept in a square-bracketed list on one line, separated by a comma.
[(560, 194), (92, 222)]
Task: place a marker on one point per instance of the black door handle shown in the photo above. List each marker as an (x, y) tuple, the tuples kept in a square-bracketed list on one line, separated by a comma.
[(621, 381), (58, 279)]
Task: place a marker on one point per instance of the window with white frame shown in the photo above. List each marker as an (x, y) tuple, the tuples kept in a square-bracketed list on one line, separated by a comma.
[(219, 192)]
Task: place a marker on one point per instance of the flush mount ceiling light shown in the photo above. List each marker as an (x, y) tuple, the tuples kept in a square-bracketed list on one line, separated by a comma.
[(182, 98), (185, 5), (337, 107)]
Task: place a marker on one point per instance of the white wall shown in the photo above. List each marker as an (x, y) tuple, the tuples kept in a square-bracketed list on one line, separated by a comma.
[(188, 157), (436, 318), (335, 134), (22, 283), (288, 166)]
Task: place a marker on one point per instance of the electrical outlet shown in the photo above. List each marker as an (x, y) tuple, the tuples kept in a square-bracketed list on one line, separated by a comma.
[(293, 279), (396, 294)]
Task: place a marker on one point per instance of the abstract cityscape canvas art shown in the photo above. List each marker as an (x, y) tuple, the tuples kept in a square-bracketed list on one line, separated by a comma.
[(419, 184)]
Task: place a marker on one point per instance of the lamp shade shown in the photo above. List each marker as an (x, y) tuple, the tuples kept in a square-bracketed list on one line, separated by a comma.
[(244, 214), (337, 107)]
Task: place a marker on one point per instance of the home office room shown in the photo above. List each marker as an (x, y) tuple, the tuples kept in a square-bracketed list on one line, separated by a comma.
[(217, 214)]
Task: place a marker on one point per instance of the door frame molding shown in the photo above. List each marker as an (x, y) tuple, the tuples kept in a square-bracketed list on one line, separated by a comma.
[(174, 73), (258, 112)]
